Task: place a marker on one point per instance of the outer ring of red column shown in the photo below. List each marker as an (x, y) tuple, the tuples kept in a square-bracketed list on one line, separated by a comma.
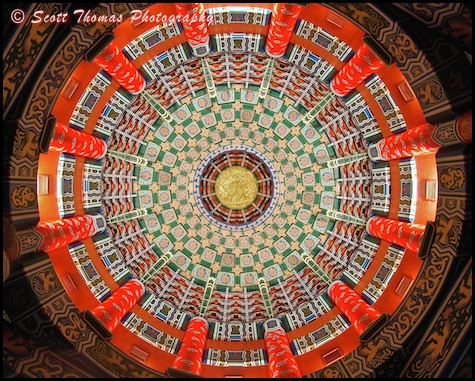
[(114, 62), (360, 313), (190, 354), (62, 232), (79, 143), (284, 18), (404, 234), (363, 63), (282, 363), (119, 303)]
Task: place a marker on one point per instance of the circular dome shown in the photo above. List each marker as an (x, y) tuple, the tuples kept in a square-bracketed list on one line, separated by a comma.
[(292, 188)]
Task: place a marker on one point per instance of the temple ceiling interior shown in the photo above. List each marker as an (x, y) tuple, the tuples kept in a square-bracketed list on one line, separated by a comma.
[(237, 186)]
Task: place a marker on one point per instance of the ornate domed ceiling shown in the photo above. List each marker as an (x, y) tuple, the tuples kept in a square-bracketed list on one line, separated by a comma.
[(235, 189), (237, 186), (222, 206)]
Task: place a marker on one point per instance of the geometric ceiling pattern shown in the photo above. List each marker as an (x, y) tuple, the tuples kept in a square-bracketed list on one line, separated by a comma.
[(270, 246), (236, 275)]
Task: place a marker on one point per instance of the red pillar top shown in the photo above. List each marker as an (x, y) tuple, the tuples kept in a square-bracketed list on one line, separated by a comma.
[(284, 18)]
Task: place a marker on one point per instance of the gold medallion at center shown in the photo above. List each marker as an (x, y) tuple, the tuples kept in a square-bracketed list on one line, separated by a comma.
[(236, 187)]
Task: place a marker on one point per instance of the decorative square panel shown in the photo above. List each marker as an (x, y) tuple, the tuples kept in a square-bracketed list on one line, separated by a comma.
[(327, 177), (273, 104), (279, 221), (257, 238), (163, 132), (294, 232), (304, 215), (181, 260), (244, 133), (169, 216), (321, 223), (244, 242), (265, 120), (201, 272), (280, 155), (208, 255), (265, 255), (230, 133), (179, 232), (246, 116), (164, 178), (295, 144), (292, 260), (192, 129), (186, 167), (169, 159), (310, 134), (290, 195), (192, 245), (216, 239), (281, 130), (151, 222), (327, 200), (224, 278), (203, 231), (309, 243), (145, 199), (272, 272), (145, 176), (216, 137), (249, 97), (193, 154), (308, 179), (164, 197), (292, 115), (227, 260), (248, 279), (321, 154), (230, 242), (225, 96), (182, 114), (281, 245), (151, 152), (209, 120), (246, 260), (290, 181), (304, 161), (308, 198), (179, 143), (287, 168), (203, 144), (227, 115), (270, 145), (201, 103), (163, 243)]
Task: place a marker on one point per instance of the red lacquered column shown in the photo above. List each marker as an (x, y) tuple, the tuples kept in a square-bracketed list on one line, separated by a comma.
[(62, 232), (190, 355), (195, 27), (112, 310), (404, 234), (423, 139), (77, 142), (359, 313), (363, 63), (282, 363), (114, 62), (284, 18), (406, 144)]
